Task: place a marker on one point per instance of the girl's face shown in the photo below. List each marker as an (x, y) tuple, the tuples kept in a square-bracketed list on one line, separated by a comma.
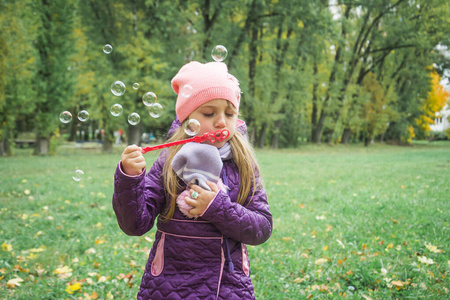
[(216, 115)]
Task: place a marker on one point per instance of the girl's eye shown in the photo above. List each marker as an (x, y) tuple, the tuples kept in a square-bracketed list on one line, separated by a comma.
[(229, 115), (208, 115)]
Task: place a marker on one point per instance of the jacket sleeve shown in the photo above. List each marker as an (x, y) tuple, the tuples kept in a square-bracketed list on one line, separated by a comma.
[(138, 200), (250, 224)]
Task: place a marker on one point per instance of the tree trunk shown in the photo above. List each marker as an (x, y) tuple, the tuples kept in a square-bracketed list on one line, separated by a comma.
[(107, 145), (5, 147), (317, 130), (73, 131), (382, 137), (276, 134), (42, 145), (346, 136), (330, 136), (262, 136), (314, 104), (134, 135), (86, 133)]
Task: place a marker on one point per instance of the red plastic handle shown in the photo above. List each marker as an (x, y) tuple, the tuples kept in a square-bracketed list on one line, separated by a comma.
[(213, 136)]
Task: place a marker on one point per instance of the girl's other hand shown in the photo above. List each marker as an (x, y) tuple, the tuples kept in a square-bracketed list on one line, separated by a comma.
[(201, 202), (133, 162)]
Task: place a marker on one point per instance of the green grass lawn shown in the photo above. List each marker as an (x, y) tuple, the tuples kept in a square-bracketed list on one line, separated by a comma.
[(349, 222)]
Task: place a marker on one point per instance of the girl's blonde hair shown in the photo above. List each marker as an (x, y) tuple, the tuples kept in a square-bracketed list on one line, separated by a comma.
[(243, 156)]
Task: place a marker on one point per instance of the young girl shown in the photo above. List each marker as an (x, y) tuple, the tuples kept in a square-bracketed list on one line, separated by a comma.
[(201, 253)]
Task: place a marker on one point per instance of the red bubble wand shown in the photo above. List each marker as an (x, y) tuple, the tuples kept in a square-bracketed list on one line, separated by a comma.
[(212, 136)]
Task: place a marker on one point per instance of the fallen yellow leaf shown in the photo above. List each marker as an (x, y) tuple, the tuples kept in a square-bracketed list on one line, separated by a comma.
[(100, 241), (299, 280), (63, 270), (12, 283), (321, 261), (40, 249), (424, 260), (71, 288), (7, 247), (433, 248), (397, 283)]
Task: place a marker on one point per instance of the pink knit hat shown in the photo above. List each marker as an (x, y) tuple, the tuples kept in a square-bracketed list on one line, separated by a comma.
[(197, 83)]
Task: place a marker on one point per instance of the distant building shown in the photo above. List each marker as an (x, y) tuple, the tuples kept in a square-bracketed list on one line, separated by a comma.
[(441, 122)]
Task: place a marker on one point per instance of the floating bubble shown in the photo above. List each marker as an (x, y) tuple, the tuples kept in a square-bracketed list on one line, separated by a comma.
[(118, 88), (134, 118), (186, 91), (107, 48), (219, 53), (65, 117), (83, 116), (136, 86), (155, 110), (78, 175), (149, 98), (192, 127), (116, 109)]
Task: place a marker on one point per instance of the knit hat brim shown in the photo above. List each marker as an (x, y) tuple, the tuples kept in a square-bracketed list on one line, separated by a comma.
[(204, 82)]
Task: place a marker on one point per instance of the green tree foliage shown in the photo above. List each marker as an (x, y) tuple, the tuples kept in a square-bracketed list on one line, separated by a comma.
[(54, 81), (319, 71), (433, 104), (17, 69)]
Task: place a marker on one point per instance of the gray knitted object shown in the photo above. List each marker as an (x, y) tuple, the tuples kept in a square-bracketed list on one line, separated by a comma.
[(196, 163)]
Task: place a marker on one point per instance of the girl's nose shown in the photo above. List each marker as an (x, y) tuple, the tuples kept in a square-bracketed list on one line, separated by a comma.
[(220, 121)]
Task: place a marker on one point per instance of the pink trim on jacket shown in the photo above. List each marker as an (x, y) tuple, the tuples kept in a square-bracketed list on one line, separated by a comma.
[(158, 260), (222, 264), (245, 261), (131, 176)]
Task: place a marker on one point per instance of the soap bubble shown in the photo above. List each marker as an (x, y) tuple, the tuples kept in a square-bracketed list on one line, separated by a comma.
[(118, 88), (219, 53), (351, 288), (65, 117), (107, 48), (136, 86), (155, 110), (192, 127), (186, 91), (116, 109), (134, 118), (83, 116), (149, 98), (78, 175)]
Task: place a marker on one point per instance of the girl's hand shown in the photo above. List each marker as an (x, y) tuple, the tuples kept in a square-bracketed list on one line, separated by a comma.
[(200, 204), (133, 162)]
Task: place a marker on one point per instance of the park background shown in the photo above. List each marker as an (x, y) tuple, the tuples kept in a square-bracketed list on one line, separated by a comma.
[(346, 90)]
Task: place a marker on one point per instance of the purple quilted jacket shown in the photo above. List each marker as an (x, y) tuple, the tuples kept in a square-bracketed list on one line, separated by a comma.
[(204, 258)]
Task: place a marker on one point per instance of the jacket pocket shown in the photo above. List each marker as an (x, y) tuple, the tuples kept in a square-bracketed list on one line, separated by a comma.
[(158, 260), (245, 261)]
